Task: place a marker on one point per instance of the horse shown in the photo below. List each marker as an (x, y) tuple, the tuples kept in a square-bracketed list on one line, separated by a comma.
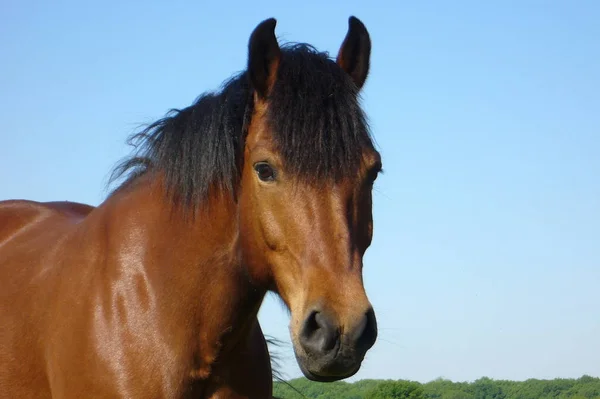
[(264, 185)]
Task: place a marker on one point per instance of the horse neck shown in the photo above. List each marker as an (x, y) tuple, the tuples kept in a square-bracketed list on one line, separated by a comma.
[(192, 265)]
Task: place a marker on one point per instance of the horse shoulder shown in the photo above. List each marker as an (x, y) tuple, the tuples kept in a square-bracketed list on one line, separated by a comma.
[(29, 231)]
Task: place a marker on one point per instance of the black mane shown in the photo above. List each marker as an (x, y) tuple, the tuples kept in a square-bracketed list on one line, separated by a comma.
[(315, 117)]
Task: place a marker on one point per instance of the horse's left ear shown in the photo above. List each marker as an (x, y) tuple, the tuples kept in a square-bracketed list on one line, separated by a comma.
[(263, 57), (355, 53)]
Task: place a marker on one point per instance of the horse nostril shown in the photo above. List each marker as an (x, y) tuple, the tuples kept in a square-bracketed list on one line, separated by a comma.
[(319, 335), (365, 333)]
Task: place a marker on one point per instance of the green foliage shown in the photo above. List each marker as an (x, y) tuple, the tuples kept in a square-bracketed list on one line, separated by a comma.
[(396, 390), (303, 388), (486, 388), (585, 387)]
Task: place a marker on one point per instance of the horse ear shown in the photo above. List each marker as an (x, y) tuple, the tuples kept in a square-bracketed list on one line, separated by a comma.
[(263, 56), (355, 52)]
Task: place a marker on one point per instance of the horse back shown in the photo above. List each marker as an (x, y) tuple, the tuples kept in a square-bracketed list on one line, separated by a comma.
[(30, 232), (18, 215)]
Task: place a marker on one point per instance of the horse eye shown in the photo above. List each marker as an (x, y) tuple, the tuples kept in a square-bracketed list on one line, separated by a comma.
[(375, 171), (265, 171)]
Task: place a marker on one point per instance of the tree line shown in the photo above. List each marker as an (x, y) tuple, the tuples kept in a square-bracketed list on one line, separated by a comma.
[(585, 387)]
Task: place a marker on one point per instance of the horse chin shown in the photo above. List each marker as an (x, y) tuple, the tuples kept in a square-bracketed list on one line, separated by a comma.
[(315, 376)]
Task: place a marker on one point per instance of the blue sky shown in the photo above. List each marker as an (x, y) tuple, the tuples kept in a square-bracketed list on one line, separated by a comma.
[(486, 255)]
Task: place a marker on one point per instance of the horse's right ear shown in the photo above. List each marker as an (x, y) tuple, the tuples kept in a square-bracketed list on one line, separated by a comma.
[(263, 57), (355, 53)]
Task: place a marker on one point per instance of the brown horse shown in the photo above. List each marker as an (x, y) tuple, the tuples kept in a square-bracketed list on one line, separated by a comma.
[(265, 185)]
